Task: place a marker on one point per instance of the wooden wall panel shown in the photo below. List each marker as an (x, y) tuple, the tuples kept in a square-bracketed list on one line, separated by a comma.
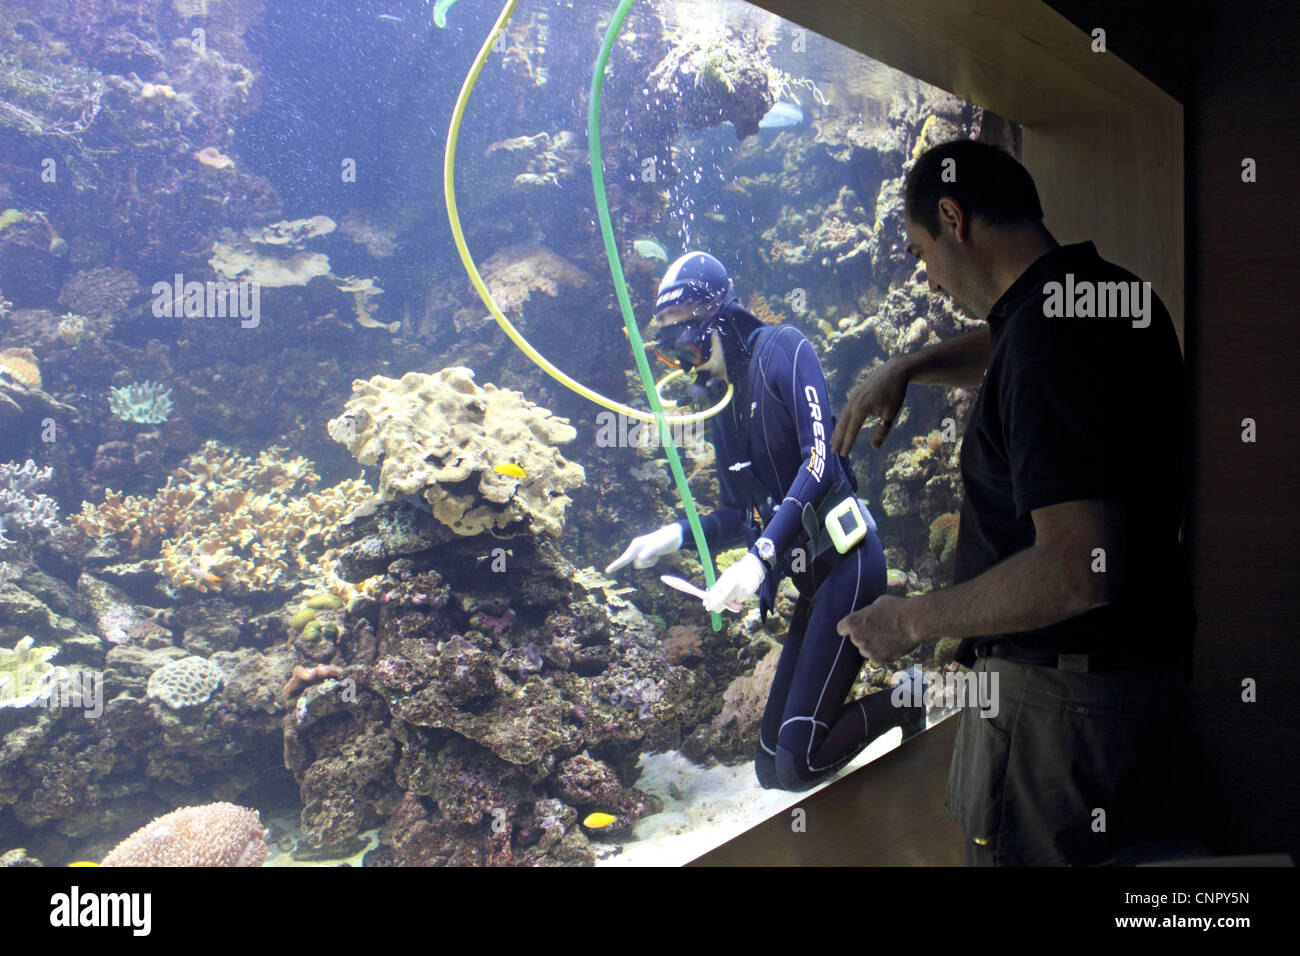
[(1117, 180)]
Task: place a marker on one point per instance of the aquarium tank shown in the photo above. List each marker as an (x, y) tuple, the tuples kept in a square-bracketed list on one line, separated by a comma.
[(305, 499)]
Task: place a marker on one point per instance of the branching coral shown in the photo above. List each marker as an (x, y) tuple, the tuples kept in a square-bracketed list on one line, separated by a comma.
[(22, 506), (764, 312), (224, 522), (26, 674), (145, 402)]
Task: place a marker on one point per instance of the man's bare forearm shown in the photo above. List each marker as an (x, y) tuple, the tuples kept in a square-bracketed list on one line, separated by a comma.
[(1032, 588), (956, 363)]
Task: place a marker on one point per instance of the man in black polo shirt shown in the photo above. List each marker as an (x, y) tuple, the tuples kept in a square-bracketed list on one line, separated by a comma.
[(1070, 591)]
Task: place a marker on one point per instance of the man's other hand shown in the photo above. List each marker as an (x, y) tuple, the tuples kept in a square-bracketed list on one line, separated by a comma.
[(880, 631)]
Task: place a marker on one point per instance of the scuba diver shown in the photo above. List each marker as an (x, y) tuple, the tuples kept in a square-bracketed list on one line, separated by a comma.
[(794, 503)]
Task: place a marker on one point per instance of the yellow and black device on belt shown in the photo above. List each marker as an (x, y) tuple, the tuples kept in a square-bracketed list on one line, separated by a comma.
[(846, 525)]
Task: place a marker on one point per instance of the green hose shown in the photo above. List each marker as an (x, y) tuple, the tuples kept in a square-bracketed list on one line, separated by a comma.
[(620, 288)]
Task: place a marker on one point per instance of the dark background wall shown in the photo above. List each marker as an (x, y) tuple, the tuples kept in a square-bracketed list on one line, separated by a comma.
[(1233, 67)]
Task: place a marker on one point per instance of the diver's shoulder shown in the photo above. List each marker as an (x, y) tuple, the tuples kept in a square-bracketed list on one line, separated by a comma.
[(787, 337)]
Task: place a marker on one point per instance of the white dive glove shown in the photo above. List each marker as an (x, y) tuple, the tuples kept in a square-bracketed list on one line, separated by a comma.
[(649, 548), (739, 582)]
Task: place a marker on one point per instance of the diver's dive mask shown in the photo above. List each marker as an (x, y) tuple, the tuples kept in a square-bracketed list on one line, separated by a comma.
[(685, 345), (688, 345)]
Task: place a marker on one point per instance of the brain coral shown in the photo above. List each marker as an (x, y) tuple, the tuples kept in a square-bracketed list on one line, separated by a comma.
[(441, 436), (216, 834), (184, 683)]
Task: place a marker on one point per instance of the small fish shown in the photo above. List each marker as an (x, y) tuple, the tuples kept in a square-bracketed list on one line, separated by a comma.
[(782, 116), (716, 216), (597, 821), (440, 12), (649, 249), (83, 863), (513, 470), (389, 16), (895, 578)]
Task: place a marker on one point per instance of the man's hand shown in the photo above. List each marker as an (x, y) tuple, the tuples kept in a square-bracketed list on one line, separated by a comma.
[(881, 631), (880, 396)]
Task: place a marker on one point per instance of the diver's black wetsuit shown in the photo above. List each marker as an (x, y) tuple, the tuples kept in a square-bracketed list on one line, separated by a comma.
[(775, 471)]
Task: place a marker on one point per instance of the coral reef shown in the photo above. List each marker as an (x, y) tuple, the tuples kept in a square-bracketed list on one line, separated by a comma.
[(378, 241), (547, 159), (757, 304), (943, 535), (228, 523), (23, 508), (187, 682), (238, 256), (99, 293), (216, 834), (682, 643), (144, 402), (70, 89), (514, 273), (734, 730), (306, 676), (716, 77), (441, 437), (20, 365), (251, 257)]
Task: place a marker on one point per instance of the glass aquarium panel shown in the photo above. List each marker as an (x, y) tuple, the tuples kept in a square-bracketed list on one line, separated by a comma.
[(308, 554)]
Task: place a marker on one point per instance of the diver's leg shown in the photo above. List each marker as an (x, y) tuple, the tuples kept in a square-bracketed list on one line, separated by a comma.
[(774, 710), (819, 734)]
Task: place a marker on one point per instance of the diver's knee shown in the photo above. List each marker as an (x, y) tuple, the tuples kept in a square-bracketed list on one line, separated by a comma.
[(790, 773)]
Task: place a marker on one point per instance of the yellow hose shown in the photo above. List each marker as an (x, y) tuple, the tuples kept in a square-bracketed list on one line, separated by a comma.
[(448, 187)]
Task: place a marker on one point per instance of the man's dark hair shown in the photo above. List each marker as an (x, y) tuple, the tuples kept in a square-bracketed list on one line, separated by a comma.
[(989, 184)]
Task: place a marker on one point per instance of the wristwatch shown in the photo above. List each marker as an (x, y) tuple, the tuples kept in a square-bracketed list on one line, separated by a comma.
[(766, 551)]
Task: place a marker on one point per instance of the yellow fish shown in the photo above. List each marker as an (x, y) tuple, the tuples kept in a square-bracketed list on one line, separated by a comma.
[(83, 863), (595, 821), (514, 471)]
